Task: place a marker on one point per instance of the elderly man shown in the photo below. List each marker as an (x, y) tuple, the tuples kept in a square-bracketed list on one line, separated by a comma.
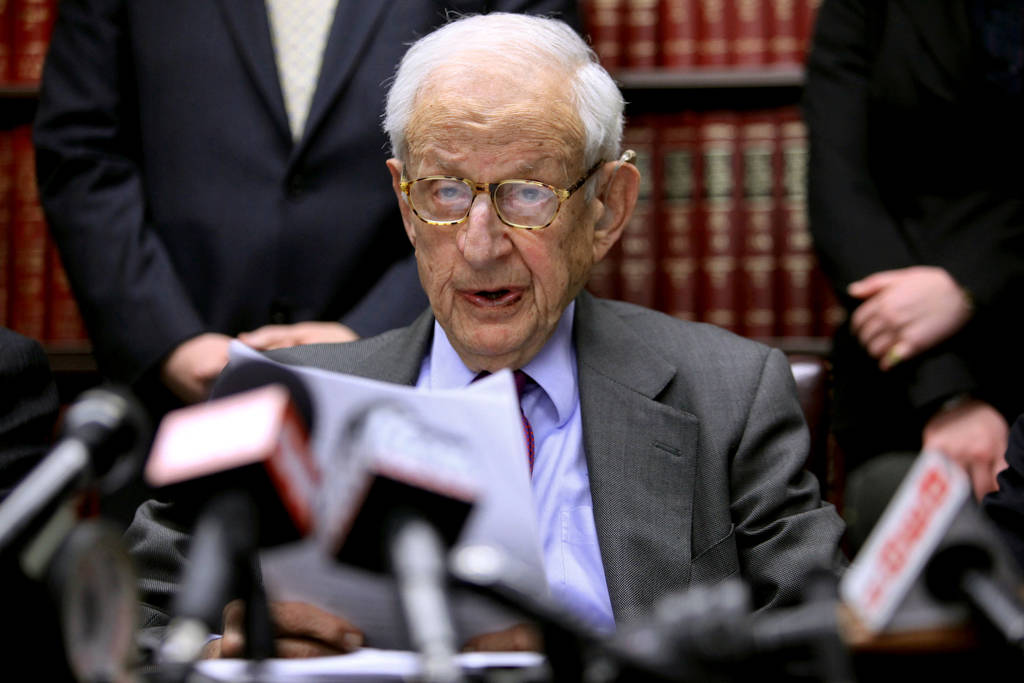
[(667, 454)]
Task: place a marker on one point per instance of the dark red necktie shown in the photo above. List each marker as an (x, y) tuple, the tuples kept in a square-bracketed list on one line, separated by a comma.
[(522, 382)]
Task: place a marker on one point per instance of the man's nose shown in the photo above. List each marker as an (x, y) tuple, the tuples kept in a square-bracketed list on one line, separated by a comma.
[(482, 236)]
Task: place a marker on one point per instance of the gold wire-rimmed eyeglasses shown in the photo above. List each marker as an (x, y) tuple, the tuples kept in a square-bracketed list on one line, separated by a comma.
[(518, 203)]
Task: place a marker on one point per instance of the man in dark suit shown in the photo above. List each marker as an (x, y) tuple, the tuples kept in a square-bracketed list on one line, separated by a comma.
[(194, 197), (667, 454), (28, 407), (914, 112)]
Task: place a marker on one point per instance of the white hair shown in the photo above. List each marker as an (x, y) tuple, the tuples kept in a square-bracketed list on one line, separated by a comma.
[(516, 39)]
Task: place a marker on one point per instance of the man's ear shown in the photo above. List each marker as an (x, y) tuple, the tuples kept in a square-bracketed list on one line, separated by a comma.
[(395, 166), (618, 199)]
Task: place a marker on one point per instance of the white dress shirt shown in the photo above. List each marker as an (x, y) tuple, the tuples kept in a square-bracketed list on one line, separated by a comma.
[(561, 488)]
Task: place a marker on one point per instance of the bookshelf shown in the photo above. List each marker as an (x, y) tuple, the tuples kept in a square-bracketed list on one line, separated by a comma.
[(706, 78), (720, 232)]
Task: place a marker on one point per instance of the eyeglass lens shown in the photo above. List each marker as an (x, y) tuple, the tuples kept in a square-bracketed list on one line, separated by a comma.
[(522, 203)]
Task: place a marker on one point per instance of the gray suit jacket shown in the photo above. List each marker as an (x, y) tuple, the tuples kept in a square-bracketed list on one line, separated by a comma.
[(695, 444)]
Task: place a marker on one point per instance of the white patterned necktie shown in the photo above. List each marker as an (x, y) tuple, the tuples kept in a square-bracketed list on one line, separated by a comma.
[(299, 31)]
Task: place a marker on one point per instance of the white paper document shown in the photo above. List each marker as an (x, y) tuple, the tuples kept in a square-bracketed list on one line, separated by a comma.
[(367, 664), (483, 420)]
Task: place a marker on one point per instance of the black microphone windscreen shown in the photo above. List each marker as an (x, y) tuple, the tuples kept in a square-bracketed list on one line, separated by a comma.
[(247, 374), (869, 490), (112, 424)]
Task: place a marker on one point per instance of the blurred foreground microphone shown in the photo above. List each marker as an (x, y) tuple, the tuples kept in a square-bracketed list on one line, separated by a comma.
[(931, 554), (69, 581), (242, 462), (399, 501), (105, 433)]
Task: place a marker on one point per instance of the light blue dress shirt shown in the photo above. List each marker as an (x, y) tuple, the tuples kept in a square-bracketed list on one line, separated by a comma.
[(561, 489)]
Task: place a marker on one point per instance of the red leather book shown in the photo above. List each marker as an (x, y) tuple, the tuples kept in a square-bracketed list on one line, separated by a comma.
[(640, 35), (6, 198), (6, 32), (64, 325), (27, 297), (757, 223), (785, 47), (796, 256), (749, 38), (677, 152), (715, 28), (677, 33), (603, 20), (639, 241), (719, 182), (33, 22), (807, 10)]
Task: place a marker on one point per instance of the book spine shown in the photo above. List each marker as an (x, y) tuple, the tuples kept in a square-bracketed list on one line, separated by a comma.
[(679, 247), (6, 199), (33, 22), (718, 284), (640, 50), (786, 43), (678, 35), (604, 23), (749, 41), (6, 37), (64, 325), (715, 30), (757, 224), (640, 238), (807, 10), (796, 258), (27, 309)]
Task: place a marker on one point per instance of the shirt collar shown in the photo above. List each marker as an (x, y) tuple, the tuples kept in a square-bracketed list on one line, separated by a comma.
[(553, 368)]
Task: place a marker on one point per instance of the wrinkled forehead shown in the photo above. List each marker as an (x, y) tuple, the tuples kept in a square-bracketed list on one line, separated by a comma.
[(493, 108)]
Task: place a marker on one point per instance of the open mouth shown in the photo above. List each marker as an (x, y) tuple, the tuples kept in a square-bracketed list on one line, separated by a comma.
[(503, 296), (492, 295)]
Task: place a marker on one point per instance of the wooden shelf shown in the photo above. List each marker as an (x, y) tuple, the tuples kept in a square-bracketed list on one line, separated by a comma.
[(65, 359), (676, 79), (19, 92)]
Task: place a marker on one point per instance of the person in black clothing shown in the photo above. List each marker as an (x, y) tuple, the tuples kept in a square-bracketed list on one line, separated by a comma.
[(916, 207), (197, 190)]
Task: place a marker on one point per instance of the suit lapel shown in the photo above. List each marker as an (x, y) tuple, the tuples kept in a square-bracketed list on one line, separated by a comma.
[(641, 456), (250, 31), (354, 26)]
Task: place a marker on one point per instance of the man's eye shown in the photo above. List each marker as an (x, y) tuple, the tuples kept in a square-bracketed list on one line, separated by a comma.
[(531, 194), (449, 192)]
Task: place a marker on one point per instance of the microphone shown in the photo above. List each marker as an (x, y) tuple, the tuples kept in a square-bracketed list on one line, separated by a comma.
[(244, 457), (253, 435), (399, 500), (69, 579), (930, 553), (103, 437)]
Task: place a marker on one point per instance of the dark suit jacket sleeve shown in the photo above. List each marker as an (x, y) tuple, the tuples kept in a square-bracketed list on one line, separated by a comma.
[(854, 233), (783, 530), (134, 305), (1005, 506), (28, 406)]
